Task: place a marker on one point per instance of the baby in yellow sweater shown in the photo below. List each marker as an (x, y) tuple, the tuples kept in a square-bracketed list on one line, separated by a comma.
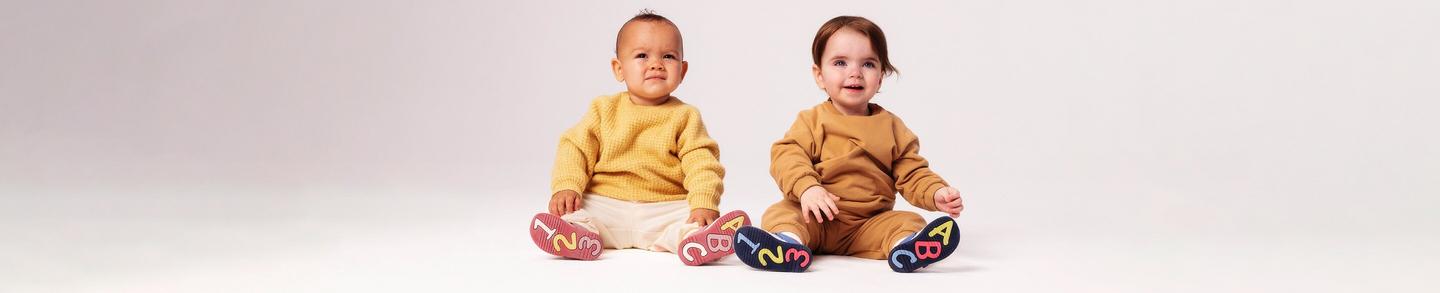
[(840, 165), (639, 170)]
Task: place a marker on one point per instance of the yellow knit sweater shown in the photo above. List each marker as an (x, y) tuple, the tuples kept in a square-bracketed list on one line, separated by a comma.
[(640, 153)]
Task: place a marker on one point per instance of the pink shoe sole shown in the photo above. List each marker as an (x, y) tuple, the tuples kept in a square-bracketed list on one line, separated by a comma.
[(714, 241), (555, 236)]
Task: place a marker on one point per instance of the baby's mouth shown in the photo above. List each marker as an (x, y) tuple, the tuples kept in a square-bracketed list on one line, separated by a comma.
[(854, 87), (659, 77)]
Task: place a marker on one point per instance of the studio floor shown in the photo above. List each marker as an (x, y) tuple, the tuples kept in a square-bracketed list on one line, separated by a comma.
[(341, 241)]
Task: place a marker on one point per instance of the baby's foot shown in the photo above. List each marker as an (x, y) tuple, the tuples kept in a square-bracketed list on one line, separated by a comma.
[(560, 238), (755, 249), (933, 243), (714, 241)]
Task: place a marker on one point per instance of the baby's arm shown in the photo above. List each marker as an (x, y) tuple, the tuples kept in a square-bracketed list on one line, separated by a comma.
[(575, 160), (564, 202), (791, 164), (703, 216), (700, 161), (948, 200), (913, 178)]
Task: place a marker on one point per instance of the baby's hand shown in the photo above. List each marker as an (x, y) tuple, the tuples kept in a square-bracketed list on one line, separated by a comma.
[(703, 216), (948, 200), (564, 202), (816, 200)]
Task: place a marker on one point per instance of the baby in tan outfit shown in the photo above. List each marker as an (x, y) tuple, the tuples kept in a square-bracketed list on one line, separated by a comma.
[(840, 165)]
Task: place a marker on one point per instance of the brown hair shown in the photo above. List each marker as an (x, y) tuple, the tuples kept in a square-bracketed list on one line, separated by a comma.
[(646, 15), (859, 24)]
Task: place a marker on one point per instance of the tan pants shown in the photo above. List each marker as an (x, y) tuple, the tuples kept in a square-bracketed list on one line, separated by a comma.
[(655, 226), (849, 234)]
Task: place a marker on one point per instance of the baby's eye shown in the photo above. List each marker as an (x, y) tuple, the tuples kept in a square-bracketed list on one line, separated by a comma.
[(669, 56), (869, 64), (640, 56), (839, 63)]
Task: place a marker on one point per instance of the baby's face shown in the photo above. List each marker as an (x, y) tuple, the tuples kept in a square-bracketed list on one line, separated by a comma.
[(650, 60), (849, 70)]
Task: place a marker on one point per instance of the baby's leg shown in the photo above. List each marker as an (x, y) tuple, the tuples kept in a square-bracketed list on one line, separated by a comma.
[(556, 236), (911, 245), (669, 229), (754, 246), (662, 224), (578, 235), (874, 238), (714, 241), (785, 217)]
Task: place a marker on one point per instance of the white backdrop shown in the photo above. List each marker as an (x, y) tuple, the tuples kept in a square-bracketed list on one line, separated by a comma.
[(1247, 131)]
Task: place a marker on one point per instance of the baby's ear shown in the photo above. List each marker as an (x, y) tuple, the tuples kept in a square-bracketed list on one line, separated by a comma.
[(819, 80), (684, 68), (615, 68)]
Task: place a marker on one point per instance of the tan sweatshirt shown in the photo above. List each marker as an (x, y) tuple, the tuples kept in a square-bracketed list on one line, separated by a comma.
[(862, 159)]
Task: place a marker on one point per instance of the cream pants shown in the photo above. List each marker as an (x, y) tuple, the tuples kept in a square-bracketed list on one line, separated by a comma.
[(654, 226)]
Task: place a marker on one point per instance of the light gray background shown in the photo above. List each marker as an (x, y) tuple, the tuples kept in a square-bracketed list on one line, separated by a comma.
[(1142, 146)]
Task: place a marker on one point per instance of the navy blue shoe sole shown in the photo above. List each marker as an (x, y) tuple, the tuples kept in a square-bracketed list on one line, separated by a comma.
[(935, 242), (761, 250)]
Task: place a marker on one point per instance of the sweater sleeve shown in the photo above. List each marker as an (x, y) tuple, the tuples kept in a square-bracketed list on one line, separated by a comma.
[(700, 161), (577, 154), (913, 177), (792, 159)]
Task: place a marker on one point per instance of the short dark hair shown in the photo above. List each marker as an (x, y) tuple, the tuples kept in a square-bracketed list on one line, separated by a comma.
[(645, 15), (860, 24)]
